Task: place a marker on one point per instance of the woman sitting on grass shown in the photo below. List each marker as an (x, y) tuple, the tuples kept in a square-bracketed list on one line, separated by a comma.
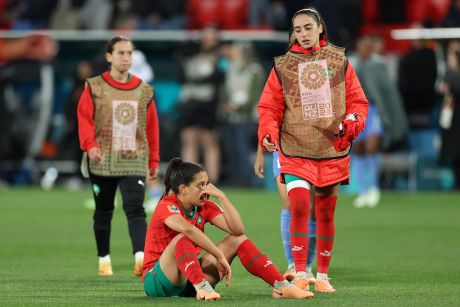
[(176, 236)]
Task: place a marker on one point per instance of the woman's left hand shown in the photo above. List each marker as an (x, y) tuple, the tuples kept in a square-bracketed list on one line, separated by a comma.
[(223, 267), (153, 173), (270, 147)]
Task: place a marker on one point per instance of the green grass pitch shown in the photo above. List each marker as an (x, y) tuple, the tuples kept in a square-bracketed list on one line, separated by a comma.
[(406, 252)]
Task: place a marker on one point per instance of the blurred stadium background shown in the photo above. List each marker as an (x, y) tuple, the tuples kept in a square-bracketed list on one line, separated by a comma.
[(402, 253)]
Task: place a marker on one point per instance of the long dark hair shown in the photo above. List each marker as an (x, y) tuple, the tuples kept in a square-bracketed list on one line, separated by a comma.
[(313, 13), (180, 172)]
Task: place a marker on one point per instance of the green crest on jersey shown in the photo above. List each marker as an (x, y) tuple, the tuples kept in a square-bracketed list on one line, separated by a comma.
[(199, 220), (96, 189)]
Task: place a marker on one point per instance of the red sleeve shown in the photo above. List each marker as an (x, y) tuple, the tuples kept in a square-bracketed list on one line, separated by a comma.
[(164, 210), (356, 100), (85, 115), (212, 210), (271, 109), (1, 50), (153, 135)]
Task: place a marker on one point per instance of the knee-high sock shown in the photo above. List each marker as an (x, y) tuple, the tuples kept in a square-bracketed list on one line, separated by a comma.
[(311, 242), (373, 169), (360, 164), (325, 228), (187, 261), (257, 263), (299, 199), (286, 234)]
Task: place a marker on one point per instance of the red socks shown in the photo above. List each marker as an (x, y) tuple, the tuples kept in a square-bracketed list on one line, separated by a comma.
[(187, 261), (325, 228), (299, 199), (257, 263)]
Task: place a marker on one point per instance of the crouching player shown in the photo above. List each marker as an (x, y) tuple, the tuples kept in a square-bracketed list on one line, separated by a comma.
[(176, 236)]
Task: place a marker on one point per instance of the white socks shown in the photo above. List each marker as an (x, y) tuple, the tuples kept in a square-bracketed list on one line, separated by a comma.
[(204, 285), (138, 256), (321, 276), (281, 284), (105, 259)]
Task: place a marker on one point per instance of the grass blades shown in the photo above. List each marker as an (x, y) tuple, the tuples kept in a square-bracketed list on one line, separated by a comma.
[(403, 253)]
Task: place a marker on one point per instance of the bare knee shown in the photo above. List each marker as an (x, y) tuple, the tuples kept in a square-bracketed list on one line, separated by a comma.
[(233, 242), (176, 239)]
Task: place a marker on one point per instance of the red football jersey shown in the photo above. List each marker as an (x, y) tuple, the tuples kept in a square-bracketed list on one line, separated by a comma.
[(159, 234)]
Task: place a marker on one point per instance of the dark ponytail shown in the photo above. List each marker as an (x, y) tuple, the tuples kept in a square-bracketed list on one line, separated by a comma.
[(179, 172)]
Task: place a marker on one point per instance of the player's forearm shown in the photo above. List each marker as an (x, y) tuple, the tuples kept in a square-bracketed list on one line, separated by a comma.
[(232, 216)]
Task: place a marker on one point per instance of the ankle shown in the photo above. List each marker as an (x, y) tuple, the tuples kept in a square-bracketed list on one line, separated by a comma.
[(321, 276), (205, 286), (300, 275), (280, 284), (138, 256), (105, 259)]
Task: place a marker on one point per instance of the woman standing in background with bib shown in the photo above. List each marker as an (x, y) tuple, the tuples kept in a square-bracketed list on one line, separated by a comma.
[(118, 130)]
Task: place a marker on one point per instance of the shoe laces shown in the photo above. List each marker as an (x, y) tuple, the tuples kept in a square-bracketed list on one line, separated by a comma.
[(282, 284)]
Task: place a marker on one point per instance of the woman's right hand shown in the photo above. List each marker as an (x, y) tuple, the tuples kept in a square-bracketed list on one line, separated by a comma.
[(224, 270), (212, 190), (95, 154)]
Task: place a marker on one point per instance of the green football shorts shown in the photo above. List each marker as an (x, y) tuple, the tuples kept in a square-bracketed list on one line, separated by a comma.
[(156, 284)]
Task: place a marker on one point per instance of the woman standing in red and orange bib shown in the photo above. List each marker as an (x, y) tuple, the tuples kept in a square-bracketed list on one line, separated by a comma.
[(311, 109), (118, 131)]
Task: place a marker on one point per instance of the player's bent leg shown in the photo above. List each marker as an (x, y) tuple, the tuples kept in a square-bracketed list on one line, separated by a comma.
[(179, 265), (258, 264), (229, 247), (168, 263)]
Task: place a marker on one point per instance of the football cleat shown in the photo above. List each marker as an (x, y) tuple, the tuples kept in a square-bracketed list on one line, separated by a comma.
[(311, 278), (207, 296), (138, 267), (323, 285), (105, 269), (301, 283), (291, 291), (205, 292), (373, 197), (360, 201)]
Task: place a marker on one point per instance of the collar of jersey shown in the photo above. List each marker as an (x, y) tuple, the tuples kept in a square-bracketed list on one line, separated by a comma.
[(132, 82), (188, 215)]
